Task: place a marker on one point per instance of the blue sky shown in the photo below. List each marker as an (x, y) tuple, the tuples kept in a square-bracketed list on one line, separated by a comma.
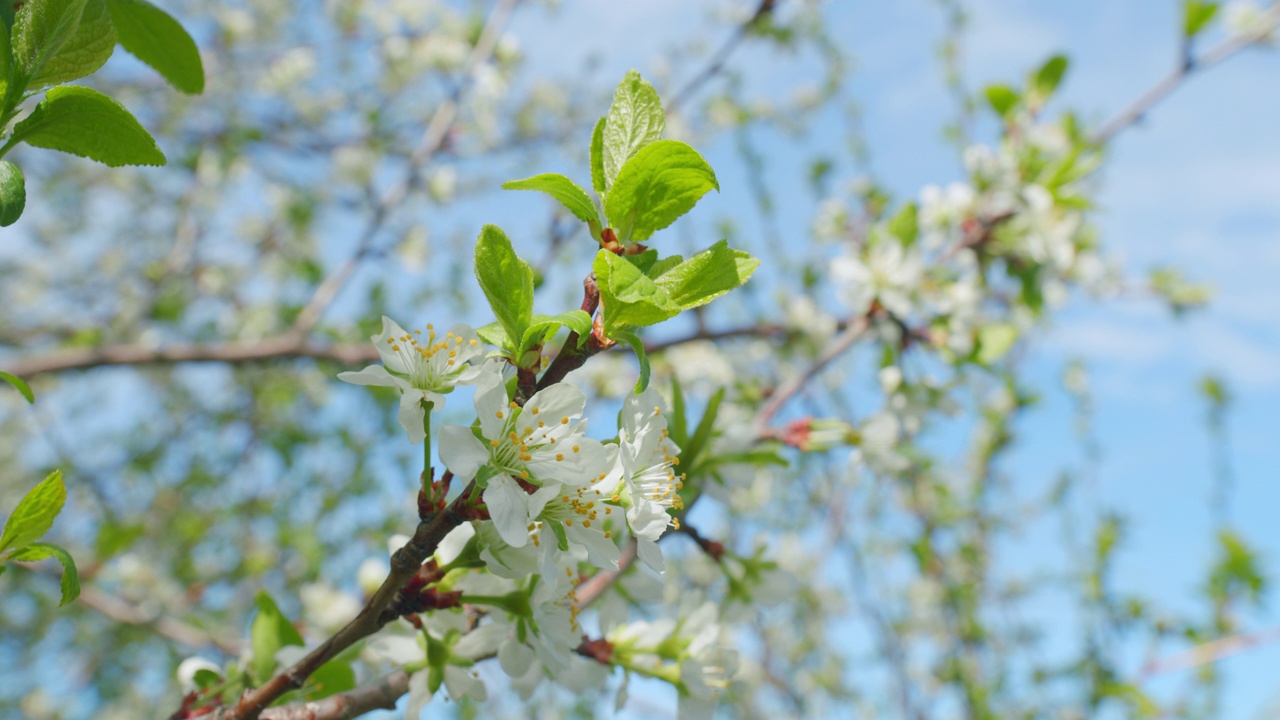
[(1196, 186)]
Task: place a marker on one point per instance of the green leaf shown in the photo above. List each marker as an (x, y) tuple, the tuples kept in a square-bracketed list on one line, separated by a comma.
[(574, 198), (40, 551), (35, 513), (994, 341), (643, 261), (19, 384), (707, 275), (83, 52), (331, 678), (85, 122), (661, 267), (493, 334), (6, 50), (1049, 76), (629, 298), (677, 421), (6, 17), (662, 182), (507, 281), (597, 157), (1003, 99), (158, 40), (637, 346), (906, 224), (545, 325), (562, 538), (635, 120), (1196, 15), (13, 192), (270, 632), (39, 29), (701, 435)]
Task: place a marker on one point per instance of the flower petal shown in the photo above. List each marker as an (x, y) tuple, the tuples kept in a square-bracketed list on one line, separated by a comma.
[(412, 414), (461, 451), (650, 554), (391, 336), (509, 507), (556, 406), (492, 405), (373, 375)]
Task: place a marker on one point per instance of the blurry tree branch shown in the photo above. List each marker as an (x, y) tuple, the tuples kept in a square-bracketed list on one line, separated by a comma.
[(1188, 65)]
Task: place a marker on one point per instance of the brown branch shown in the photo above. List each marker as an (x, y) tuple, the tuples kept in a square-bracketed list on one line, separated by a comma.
[(780, 397), (1137, 110), (380, 695), (240, 351), (405, 564), (121, 611), (717, 63)]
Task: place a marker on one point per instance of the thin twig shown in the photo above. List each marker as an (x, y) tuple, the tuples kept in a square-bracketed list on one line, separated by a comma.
[(433, 138), (1211, 652), (780, 397), (1187, 67), (713, 68)]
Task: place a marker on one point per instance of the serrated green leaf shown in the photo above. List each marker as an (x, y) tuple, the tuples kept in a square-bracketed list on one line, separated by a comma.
[(81, 54), (637, 346), (994, 341), (1002, 98), (707, 275), (6, 50), (662, 182), (1049, 76), (270, 632), (493, 334), (35, 513), (597, 157), (13, 193), (661, 267), (543, 326), (906, 224), (6, 16), (40, 28), (1196, 15), (39, 551), (643, 261), (507, 281), (18, 384), (629, 298), (155, 38), (572, 197), (635, 119), (81, 121)]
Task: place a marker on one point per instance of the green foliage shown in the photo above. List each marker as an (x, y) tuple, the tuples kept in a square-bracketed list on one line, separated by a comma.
[(86, 50), (597, 157), (706, 276), (574, 198), (19, 384), (158, 40), (995, 341), (39, 31), (30, 520), (660, 183), (629, 297), (634, 121), (1197, 15), (1046, 80), (81, 121), (507, 281), (637, 346), (13, 193), (905, 225), (1003, 99), (270, 632)]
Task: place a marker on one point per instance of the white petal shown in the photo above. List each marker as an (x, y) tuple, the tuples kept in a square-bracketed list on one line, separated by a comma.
[(650, 554), (373, 375), (412, 414), (601, 551), (562, 463), (419, 696), (647, 519), (482, 642), (539, 499), (509, 507), (390, 332), (556, 406), (459, 682), (515, 657), (453, 544), (461, 452), (492, 405)]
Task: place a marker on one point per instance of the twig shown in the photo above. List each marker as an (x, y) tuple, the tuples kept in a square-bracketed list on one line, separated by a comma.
[(780, 397), (1187, 67), (122, 611), (1211, 652), (433, 138), (718, 60)]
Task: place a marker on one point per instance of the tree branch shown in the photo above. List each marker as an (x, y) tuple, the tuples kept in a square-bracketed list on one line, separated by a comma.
[(1187, 67)]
